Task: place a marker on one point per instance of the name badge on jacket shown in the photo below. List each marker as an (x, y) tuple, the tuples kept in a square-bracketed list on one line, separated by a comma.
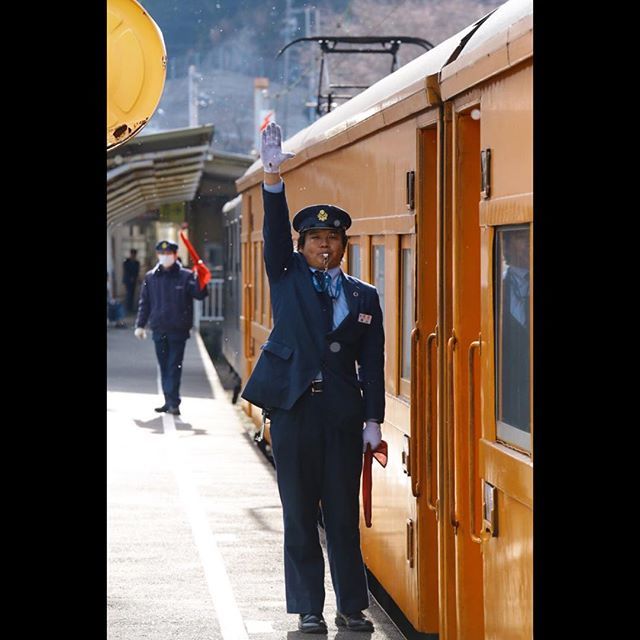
[(365, 318)]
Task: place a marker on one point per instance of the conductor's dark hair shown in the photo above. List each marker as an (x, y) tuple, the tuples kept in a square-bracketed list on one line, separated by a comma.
[(303, 235)]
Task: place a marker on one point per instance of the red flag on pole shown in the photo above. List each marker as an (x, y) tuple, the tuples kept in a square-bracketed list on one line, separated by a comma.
[(380, 453), (204, 275), (266, 121)]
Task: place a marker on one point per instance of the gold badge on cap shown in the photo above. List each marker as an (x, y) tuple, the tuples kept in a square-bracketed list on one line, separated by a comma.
[(164, 245), (323, 215)]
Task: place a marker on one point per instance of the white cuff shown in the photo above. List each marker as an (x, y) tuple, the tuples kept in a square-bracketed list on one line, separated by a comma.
[(274, 188)]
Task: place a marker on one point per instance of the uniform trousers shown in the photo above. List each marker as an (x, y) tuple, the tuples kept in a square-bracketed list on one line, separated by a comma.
[(317, 449), (170, 353), (130, 297)]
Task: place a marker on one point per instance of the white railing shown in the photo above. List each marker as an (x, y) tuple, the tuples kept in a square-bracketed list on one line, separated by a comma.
[(211, 307)]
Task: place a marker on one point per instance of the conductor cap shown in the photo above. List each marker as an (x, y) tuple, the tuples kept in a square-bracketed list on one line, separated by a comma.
[(166, 245), (321, 216)]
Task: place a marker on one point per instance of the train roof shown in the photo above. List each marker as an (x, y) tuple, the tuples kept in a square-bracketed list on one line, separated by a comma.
[(412, 88), (504, 40)]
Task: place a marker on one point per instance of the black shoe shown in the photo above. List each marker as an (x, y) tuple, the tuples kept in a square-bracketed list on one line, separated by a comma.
[(162, 409), (174, 411), (354, 621), (312, 623)]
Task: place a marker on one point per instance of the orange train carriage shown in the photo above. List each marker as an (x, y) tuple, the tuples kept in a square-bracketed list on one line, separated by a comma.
[(443, 226)]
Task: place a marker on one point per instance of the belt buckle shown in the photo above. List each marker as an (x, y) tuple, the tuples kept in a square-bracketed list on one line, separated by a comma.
[(316, 386)]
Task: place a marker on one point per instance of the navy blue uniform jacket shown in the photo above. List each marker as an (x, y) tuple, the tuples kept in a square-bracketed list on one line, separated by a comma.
[(298, 346), (130, 271), (166, 299)]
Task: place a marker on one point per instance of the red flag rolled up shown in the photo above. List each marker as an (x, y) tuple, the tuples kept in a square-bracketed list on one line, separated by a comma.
[(204, 275), (380, 453)]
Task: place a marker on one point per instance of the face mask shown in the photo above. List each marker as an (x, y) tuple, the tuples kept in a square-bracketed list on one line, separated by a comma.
[(166, 260)]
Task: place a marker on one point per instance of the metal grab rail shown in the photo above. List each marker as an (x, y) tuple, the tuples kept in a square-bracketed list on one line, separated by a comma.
[(414, 465), (472, 452), (451, 345), (430, 338)]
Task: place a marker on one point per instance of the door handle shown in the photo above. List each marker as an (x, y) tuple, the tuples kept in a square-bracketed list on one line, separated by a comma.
[(430, 338), (409, 542), (451, 438), (475, 345), (414, 457)]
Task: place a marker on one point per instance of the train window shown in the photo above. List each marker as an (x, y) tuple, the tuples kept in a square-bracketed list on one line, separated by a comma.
[(407, 294), (512, 332), (378, 272), (354, 260)]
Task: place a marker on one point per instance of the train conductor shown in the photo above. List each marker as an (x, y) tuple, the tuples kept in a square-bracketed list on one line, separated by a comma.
[(323, 410)]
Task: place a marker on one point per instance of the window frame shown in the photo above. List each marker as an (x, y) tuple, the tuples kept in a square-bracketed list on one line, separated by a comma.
[(354, 242), (406, 242), (505, 433), (379, 241)]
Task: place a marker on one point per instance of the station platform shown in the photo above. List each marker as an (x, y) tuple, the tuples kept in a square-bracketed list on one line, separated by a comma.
[(194, 518)]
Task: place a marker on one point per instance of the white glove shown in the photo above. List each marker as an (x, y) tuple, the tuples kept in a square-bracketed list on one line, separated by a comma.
[(140, 333), (271, 152), (371, 434)]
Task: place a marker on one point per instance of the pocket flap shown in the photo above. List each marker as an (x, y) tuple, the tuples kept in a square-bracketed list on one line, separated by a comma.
[(278, 349)]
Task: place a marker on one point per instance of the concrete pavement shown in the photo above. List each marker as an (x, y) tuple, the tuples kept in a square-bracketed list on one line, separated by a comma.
[(194, 518)]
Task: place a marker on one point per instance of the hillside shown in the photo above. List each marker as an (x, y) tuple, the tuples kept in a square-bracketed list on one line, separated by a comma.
[(231, 43)]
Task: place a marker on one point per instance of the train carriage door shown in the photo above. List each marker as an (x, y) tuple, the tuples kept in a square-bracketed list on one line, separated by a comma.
[(423, 378), (461, 343)]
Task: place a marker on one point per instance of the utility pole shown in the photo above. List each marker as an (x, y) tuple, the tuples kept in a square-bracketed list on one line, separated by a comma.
[(193, 96), (311, 26), (288, 17), (262, 114), (308, 32)]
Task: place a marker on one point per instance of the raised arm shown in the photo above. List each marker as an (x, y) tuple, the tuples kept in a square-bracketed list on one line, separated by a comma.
[(276, 229)]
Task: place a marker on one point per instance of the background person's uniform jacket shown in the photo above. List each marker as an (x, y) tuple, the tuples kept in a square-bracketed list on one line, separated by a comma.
[(166, 299)]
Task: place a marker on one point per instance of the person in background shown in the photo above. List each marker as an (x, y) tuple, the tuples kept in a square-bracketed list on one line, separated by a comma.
[(131, 270), (166, 304)]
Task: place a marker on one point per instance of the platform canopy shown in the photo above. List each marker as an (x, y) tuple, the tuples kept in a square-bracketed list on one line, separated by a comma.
[(156, 169)]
